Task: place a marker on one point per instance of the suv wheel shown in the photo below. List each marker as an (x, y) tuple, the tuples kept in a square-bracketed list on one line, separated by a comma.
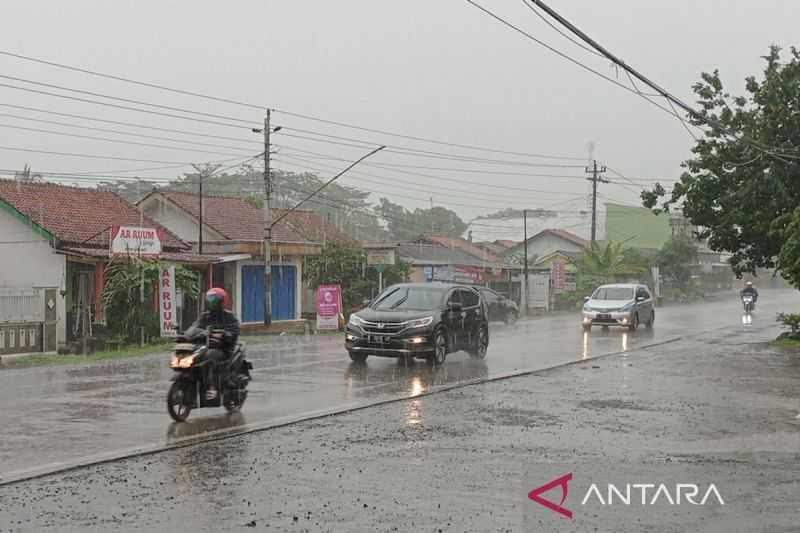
[(649, 324), (634, 322), (439, 349), (478, 350)]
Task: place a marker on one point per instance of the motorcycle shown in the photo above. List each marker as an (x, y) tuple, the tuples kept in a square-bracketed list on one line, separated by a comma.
[(748, 302), (190, 382)]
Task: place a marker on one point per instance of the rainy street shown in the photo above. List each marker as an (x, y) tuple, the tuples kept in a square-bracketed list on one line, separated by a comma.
[(700, 389)]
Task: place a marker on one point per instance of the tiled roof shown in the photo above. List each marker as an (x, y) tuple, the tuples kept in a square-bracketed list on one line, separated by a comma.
[(178, 257), (461, 244), (76, 215), (433, 254), (237, 220), (567, 236)]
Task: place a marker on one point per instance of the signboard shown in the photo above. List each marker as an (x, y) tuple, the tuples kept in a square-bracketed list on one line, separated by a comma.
[(443, 273), (329, 306), (539, 291), (133, 240), (468, 275), (558, 274), (166, 302), (384, 256)]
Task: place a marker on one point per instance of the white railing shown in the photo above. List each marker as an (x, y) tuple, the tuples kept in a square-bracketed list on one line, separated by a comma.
[(21, 305)]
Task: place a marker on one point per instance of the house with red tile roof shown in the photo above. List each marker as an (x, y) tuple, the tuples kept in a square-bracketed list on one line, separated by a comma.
[(233, 230), (545, 243), (54, 245)]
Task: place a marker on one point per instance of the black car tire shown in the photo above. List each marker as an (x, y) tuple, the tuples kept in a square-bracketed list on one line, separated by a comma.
[(478, 349), (587, 327), (652, 320), (511, 317), (634, 322), (358, 357), (439, 349)]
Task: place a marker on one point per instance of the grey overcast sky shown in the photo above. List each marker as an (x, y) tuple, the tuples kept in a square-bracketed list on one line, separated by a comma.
[(438, 69)]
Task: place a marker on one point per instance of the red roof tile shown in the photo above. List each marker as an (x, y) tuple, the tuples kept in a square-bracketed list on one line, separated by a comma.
[(76, 215), (237, 220)]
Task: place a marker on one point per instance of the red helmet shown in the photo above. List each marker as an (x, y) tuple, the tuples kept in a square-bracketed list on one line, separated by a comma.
[(216, 299)]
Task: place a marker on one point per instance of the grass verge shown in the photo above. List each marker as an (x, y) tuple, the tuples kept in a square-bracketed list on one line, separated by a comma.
[(785, 343), (71, 359)]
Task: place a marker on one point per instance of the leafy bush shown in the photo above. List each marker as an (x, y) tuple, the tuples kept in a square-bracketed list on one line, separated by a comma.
[(124, 315), (790, 320)]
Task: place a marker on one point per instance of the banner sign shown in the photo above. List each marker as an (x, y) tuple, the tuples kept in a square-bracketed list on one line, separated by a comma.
[(329, 306), (133, 240), (380, 257), (166, 302), (558, 274)]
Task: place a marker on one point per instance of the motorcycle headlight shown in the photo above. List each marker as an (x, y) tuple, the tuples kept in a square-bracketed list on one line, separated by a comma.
[(355, 320), (419, 322), (186, 362)]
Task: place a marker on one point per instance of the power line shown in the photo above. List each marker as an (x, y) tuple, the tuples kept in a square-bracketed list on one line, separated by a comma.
[(123, 123), (92, 156), (450, 180), (128, 100), (567, 37), (288, 113), (119, 141), (117, 106), (119, 132), (663, 92)]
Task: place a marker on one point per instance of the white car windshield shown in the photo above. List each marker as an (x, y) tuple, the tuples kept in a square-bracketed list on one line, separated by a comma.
[(613, 293)]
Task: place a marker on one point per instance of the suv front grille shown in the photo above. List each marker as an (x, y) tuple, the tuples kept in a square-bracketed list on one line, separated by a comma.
[(383, 328)]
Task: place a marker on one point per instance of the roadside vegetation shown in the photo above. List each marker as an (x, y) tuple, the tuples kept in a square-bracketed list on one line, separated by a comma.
[(47, 359)]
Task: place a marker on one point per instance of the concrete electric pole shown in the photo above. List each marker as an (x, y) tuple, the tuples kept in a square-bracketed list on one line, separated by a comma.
[(595, 172)]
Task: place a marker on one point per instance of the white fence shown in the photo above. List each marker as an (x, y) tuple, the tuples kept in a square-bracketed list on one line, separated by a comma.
[(21, 305)]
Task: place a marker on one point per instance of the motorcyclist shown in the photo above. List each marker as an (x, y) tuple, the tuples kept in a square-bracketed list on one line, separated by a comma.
[(751, 290), (221, 345)]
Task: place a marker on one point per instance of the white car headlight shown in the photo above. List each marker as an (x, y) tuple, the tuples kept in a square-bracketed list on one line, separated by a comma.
[(355, 320), (419, 322), (626, 307)]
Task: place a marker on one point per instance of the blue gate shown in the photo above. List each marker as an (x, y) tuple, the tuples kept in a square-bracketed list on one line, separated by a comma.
[(283, 293)]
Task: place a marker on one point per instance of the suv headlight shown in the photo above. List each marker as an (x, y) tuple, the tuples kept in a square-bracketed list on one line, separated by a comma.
[(420, 322), (587, 308), (626, 307), (355, 320)]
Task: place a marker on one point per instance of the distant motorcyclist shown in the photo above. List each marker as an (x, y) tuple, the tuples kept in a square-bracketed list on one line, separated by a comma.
[(221, 346), (749, 289)]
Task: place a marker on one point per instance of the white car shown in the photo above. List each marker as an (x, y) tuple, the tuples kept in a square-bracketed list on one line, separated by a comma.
[(620, 304)]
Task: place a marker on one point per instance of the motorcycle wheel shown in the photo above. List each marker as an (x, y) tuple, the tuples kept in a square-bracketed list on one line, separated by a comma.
[(176, 407), (234, 405)]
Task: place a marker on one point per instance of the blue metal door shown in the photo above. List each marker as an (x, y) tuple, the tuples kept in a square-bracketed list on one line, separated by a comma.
[(283, 293)]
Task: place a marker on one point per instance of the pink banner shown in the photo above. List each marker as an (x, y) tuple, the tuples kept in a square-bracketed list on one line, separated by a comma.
[(329, 306)]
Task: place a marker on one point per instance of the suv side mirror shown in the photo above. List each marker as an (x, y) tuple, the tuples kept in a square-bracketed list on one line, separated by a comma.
[(365, 302), (586, 298), (640, 298), (455, 306)]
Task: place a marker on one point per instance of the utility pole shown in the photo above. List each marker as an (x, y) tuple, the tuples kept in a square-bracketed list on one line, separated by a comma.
[(267, 226), (595, 172), (200, 230), (525, 266)]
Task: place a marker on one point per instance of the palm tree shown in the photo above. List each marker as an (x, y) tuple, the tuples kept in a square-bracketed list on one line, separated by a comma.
[(604, 263)]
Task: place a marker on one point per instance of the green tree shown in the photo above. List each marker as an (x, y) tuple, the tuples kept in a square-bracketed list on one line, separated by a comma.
[(344, 263), (605, 263), (675, 260), (405, 225), (744, 197), (120, 295)]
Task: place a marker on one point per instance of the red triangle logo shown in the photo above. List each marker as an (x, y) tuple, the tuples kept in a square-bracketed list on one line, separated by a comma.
[(536, 495)]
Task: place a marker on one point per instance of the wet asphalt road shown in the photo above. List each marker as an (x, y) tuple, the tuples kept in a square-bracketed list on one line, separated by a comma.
[(60, 416), (718, 408)]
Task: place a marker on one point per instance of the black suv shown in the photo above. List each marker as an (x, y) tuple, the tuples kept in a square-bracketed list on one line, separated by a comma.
[(500, 307), (426, 320)]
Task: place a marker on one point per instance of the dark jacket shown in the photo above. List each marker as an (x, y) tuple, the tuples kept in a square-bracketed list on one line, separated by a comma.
[(224, 320), (749, 290)]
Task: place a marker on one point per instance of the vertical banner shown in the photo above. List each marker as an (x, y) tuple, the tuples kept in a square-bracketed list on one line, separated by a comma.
[(166, 302), (329, 306)]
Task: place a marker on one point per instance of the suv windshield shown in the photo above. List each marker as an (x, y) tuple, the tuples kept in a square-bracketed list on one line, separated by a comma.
[(613, 293), (409, 299)]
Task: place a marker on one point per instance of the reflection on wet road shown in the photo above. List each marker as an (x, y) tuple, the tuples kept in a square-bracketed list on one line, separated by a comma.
[(59, 415)]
